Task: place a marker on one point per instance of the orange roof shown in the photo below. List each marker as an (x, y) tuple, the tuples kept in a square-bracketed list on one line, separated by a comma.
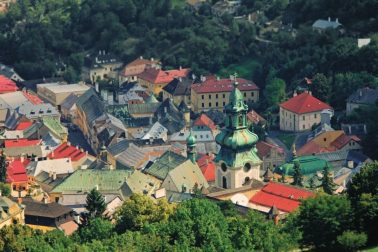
[(7, 85), (16, 172), (313, 148), (67, 151), (32, 98), (254, 117), (263, 148), (140, 61), (286, 198), (158, 76), (344, 139), (204, 120), (207, 167), (304, 103), (24, 125), (22, 142)]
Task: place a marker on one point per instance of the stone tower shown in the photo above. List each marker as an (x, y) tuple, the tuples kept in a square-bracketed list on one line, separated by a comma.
[(237, 160)]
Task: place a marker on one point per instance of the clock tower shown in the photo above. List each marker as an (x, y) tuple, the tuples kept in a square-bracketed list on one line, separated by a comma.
[(237, 161)]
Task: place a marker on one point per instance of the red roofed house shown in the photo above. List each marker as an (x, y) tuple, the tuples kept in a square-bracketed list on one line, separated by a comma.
[(330, 141), (271, 154), (155, 79), (66, 150), (204, 129), (284, 197), (22, 142), (213, 92), (255, 118), (7, 85), (207, 166), (303, 111), (24, 125), (16, 175), (131, 71)]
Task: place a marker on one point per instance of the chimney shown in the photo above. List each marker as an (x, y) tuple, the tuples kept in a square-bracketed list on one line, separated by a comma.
[(45, 200), (77, 147), (54, 176), (22, 158), (68, 143), (360, 93), (165, 110), (140, 57), (350, 164), (295, 93), (152, 59), (329, 19), (50, 174), (337, 20), (180, 67), (309, 92), (19, 200)]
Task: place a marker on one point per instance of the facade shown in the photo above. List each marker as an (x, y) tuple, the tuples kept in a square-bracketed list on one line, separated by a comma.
[(303, 111), (214, 93), (362, 97), (271, 155), (155, 79), (102, 66), (35, 112), (56, 93), (237, 161), (178, 90), (11, 212), (204, 129)]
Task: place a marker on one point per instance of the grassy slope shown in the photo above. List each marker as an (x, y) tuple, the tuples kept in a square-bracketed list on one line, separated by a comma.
[(244, 69)]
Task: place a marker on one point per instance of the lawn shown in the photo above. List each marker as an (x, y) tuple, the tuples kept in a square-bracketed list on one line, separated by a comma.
[(373, 249), (244, 69), (287, 139)]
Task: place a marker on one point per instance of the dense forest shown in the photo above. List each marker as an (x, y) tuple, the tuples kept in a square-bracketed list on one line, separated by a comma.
[(322, 223)]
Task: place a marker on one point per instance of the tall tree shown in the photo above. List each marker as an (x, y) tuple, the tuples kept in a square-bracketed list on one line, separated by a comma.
[(3, 168), (298, 177), (327, 180), (275, 91), (321, 87), (95, 203)]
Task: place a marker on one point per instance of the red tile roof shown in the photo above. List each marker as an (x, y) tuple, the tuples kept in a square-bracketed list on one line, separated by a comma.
[(158, 76), (207, 167), (304, 103), (22, 142), (344, 139), (7, 85), (67, 151), (24, 125), (32, 98), (16, 172), (311, 148), (204, 120), (254, 117), (214, 85), (263, 148), (286, 198)]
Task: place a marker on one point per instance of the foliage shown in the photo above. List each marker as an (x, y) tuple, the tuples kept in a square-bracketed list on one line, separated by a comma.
[(352, 241), (275, 91), (138, 211), (323, 218), (297, 177), (327, 180), (96, 229), (321, 87), (95, 203), (3, 168), (5, 189)]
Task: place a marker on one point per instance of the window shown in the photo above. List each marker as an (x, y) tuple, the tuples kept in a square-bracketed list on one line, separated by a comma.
[(241, 120), (201, 136), (203, 105), (247, 167), (210, 104), (216, 96), (245, 94), (325, 139), (203, 97), (224, 104), (224, 95), (252, 94), (304, 126), (303, 117), (224, 167), (209, 96), (224, 182), (216, 104), (315, 116)]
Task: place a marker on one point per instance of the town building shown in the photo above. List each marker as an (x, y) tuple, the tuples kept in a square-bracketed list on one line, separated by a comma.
[(11, 212), (270, 154), (213, 93), (34, 112), (302, 112), (254, 118), (68, 108), (16, 176), (155, 79), (9, 72), (178, 90), (321, 25), (208, 167), (362, 97), (204, 129), (76, 155), (237, 161), (17, 99), (7, 85), (101, 66), (56, 93), (130, 72)]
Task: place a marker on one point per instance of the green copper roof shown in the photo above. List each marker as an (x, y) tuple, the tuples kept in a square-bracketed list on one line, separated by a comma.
[(237, 139), (86, 180), (54, 126), (167, 162), (151, 99), (236, 103), (308, 164), (191, 140)]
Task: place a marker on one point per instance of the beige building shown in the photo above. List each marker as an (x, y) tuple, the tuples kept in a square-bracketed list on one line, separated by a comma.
[(303, 111), (101, 66), (178, 90), (131, 71), (213, 93), (11, 212), (56, 93)]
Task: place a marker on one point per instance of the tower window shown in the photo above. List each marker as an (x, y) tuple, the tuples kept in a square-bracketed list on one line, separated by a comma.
[(247, 167), (224, 167), (241, 121), (224, 182)]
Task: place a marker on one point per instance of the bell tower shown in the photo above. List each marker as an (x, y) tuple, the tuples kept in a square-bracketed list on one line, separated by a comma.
[(237, 161), (191, 143)]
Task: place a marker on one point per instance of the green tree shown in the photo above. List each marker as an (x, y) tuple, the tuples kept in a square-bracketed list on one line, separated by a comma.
[(322, 218), (97, 229), (275, 91), (298, 177), (5, 189), (95, 203), (139, 211), (321, 87), (327, 180), (3, 168), (351, 241)]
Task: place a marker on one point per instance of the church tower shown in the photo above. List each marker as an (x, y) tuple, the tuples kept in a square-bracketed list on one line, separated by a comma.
[(191, 148), (237, 160)]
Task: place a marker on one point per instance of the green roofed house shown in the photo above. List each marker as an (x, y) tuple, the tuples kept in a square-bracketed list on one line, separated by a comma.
[(163, 165), (309, 165), (55, 128)]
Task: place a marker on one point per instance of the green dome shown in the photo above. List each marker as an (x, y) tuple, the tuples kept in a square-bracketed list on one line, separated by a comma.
[(191, 140), (237, 139)]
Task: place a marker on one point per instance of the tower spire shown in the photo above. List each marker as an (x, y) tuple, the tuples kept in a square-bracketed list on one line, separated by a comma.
[(191, 143), (294, 151)]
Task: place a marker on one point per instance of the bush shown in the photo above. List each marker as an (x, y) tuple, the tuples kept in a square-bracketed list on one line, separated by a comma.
[(5, 189), (351, 240)]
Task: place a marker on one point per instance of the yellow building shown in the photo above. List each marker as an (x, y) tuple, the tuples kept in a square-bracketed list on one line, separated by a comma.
[(301, 112), (10, 212), (155, 79), (213, 93)]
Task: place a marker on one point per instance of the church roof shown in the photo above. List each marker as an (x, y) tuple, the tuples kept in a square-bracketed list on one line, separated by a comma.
[(308, 165)]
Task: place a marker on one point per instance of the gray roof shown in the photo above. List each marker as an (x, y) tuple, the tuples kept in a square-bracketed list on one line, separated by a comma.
[(144, 108), (131, 157), (366, 96), (7, 71), (119, 147), (325, 24), (34, 111), (179, 86), (69, 101), (91, 104)]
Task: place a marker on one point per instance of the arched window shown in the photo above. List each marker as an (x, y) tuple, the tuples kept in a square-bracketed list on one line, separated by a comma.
[(224, 182), (241, 120)]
